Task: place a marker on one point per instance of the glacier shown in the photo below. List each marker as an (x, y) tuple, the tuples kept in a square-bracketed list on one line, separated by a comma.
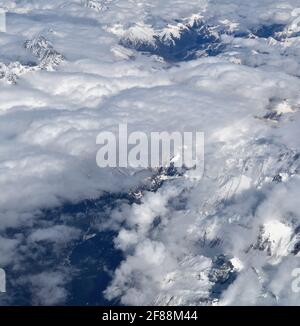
[(72, 233)]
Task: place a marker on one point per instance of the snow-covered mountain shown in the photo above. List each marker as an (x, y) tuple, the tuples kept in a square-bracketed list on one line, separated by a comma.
[(174, 42), (70, 69)]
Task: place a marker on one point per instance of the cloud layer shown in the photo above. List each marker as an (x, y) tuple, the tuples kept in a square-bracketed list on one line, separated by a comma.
[(71, 69)]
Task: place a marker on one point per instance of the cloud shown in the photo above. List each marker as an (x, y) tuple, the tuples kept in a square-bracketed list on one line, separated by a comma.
[(48, 288), (58, 234), (245, 207)]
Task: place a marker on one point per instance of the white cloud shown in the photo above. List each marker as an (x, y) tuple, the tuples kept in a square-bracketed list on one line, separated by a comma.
[(50, 118)]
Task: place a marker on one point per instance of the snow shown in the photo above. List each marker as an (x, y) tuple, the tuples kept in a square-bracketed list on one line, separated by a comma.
[(279, 236), (283, 108), (140, 33), (171, 32)]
